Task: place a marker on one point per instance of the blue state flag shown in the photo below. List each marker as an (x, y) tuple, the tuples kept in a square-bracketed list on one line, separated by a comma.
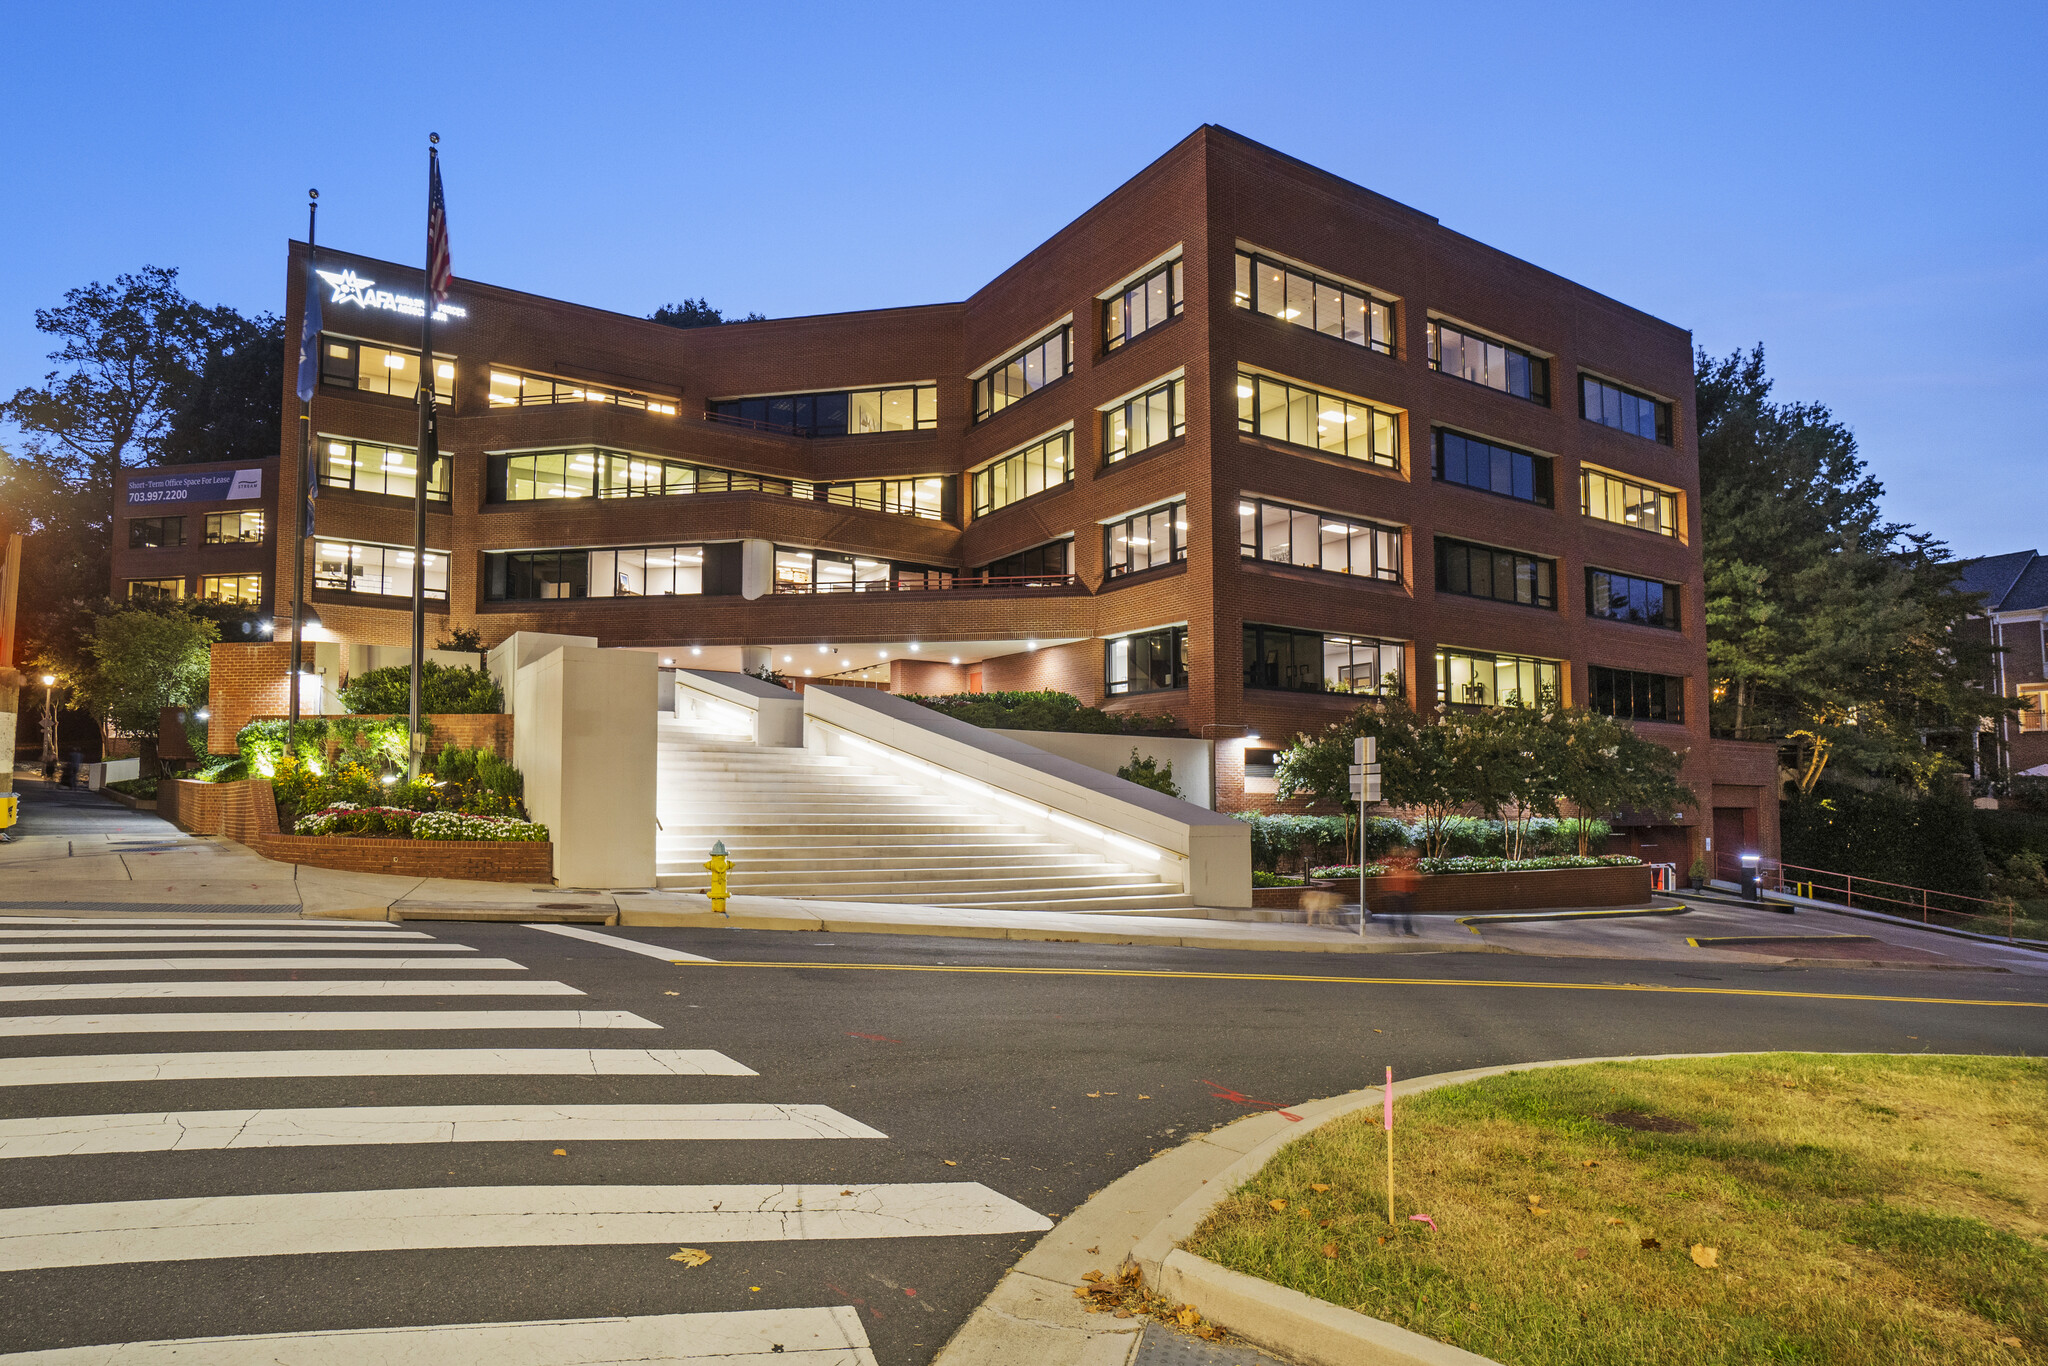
[(309, 342)]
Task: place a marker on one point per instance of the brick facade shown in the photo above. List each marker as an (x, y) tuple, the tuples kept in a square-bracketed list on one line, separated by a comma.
[(2015, 620), (194, 561)]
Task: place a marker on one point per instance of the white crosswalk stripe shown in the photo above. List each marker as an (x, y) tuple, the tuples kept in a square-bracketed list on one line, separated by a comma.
[(67, 935), (370, 1062), (247, 946), (752, 1337), (256, 964), (165, 991), (305, 1021), (629, 945), (192, 1130), (181, 1230)]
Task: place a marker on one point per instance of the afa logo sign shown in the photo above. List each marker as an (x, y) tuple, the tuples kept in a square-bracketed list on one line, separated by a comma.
[(351, 288)]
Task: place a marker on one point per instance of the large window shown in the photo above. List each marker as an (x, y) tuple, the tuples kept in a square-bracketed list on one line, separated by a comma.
[(636, 572), (821, 571), (372, 467), (1159, 414), (1042, 566), (1470, 678), (1295, 296), (1311, 661), (1477, 464), (514, 389), (1046, 464), (1146, 540), (925, 497), (1155, 661), (156, 533), (535, 475), (1625, 410), (1141, 306), (1024, 374), (1279, 411), (846, 412), (374, 369), (1481, 571), (1623, 597), (1479, 359), (156, 590), (240, 528), (1635, 696), (1280, 534), (246, 589), (381, 570), (1627, 502)]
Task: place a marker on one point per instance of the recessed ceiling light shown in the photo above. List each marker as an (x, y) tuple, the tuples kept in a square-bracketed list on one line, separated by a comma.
[(696, 649), (668, 661)]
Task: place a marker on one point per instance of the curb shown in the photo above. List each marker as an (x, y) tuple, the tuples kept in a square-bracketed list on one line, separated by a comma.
[(1791, 903), (1032, 1319), (1515, 917)]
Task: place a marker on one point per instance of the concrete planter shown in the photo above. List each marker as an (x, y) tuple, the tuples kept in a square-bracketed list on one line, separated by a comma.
[(526, 861), (1467, 893)]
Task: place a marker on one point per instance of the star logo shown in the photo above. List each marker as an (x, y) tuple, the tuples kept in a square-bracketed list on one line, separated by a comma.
[(350, 288)]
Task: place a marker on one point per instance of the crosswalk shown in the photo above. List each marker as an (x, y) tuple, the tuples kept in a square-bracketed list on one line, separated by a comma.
[(194, 1227)]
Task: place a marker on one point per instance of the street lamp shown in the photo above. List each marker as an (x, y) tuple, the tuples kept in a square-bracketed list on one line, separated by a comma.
[(49, 726)]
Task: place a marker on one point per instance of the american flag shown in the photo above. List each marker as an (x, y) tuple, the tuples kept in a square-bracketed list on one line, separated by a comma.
[(438, 269)]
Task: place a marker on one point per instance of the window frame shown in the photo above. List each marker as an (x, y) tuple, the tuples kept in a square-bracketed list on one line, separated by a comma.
[(1175, 388), (1391, 683), (1249, 407), (578, 391), (1663, 409), (354, 368), (214, 520), (1532, 361), (1542, 468), (1175, 641), (1494, 659), (1537, 563), (983, 475), (1118, 302), (1641, 686), (253, 600), (1065, 574), (497, 565), (1668, 605), (135, 524), (1176, 513), (1378, 530), (984, 379), (805, 417), (702, 479), (430, 594), (1665, 496), (164, 589), (443, 473), (1249, 259)]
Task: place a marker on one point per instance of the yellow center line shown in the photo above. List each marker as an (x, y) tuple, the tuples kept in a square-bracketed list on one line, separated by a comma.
[(1370, 981)]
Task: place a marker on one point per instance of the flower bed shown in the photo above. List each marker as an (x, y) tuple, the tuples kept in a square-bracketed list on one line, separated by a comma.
[(1467, 893), (1348, 872), (1440, 866), (398, 822)]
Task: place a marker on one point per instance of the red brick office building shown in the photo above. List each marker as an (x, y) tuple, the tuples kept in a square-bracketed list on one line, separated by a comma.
[(204, 531), (1241, 443)]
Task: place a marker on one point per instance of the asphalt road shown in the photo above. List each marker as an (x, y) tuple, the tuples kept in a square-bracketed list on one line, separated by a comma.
[(1043, 1071)]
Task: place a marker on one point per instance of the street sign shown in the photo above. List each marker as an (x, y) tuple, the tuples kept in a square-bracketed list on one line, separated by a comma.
[(1365, 750)]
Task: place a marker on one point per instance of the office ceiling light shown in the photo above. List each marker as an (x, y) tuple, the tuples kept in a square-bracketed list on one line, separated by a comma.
[(824, 649), (668, 661), (1334, 416), (915, 647), (956, 659), (786, 659), (1030, 644), (1246, 510), (884, 654), (696, 649), (394, 362), (1244, 391)]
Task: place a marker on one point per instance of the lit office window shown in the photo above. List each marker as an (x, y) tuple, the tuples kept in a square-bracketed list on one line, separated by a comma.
[(240, 528), (516, 389), (1625, 410), (1295, 296), (1628, 502), (1479, 359), (1624, 597), (1477, 464), (1143, 421), (1044, 566), (246, 589), (1024, 374), (841, 412), (156, 590), (1471, 678), (372, 467), (156, 533), (1143, 305), (1279, 534), (1146, 540), (379, 570), (1635, 696), (1313, 661), (635, 572), (532, 476), (1153, 661), (373, 369), (1484, 571), (1047, 464), (1300, 416), (822, 571), (924, 497)]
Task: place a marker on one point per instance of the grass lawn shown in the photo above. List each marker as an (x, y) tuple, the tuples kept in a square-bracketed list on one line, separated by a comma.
[(1787, 1207)]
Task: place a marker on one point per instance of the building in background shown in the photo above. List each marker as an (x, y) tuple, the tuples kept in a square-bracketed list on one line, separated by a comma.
[(193, 532), (1245, 443), (2015, 589)]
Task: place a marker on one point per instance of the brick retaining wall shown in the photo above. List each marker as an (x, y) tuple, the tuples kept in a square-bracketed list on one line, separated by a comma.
[(239, 811), (1559, 888)]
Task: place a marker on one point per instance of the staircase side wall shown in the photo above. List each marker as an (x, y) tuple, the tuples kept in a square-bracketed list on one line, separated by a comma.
[(585, 728)]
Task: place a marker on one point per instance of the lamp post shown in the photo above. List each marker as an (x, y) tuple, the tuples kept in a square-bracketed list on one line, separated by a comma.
[(49, 724)]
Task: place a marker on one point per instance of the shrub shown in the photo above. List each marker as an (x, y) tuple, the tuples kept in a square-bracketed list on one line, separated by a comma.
[(454, 825), (1349, 872), (478, 782), (1441, 866), (221, 769), (1050, 711), (1916, 841), (445, 689), (142, 788), (397, 822), (1302, 838), (1265, 879), (1147, 771)]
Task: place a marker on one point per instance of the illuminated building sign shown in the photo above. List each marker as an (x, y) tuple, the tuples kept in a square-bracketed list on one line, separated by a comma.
[(351, 288), (207, 486)]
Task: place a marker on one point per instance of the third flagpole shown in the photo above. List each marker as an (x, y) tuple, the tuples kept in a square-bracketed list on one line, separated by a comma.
[(423, 470), (309, 374)]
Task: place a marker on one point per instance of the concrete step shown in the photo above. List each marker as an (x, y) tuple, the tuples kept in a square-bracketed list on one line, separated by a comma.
[(931, 882), (939, 860)]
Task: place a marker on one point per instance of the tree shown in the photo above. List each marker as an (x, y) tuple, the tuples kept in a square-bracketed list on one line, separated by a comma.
[(231, 408), (444, 690), (697, 313), (1511, 758), (1600, 765), (141, 659), (1832, 631)]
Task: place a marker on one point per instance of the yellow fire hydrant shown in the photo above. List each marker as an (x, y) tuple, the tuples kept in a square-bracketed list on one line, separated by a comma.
[(718, 865), (10, 812)]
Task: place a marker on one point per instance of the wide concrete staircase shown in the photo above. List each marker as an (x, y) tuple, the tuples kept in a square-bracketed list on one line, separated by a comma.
[(800, 824)]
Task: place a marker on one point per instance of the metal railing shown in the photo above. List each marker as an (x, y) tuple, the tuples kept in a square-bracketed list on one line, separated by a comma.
[(935, 582), (1847, 889)]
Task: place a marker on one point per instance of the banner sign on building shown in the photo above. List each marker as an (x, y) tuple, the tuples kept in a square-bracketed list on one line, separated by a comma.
[(200, 486)]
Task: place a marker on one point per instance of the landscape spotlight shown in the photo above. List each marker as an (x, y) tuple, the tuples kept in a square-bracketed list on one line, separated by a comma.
[(203, 714)]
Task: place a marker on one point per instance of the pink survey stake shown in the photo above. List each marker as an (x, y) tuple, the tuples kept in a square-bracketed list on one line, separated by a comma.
[(1388, 1095)]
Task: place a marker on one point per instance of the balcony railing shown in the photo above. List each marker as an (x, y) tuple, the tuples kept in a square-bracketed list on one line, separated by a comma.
[(935, 583)]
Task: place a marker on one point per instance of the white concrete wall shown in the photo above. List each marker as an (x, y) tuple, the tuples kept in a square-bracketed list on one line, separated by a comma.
[(1191, 759), (99, 775), (522, 648), (584, 734), (757, 569), (741, 705), (1207, 853)]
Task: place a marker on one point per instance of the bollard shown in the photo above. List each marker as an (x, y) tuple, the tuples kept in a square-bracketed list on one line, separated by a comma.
[(718, 865)]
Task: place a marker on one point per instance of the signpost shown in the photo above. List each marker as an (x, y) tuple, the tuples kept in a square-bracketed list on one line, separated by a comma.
[(1365, 790)]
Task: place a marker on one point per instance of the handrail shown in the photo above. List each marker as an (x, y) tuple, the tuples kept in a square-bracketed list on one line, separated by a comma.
[(1771, 874), (935, 582)]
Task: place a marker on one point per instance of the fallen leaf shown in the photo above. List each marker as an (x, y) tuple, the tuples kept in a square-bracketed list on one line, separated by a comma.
[(1095, 1093), (949, 1162), (1704, 1256), (1582, 1253), (1277, 1204), (1091, 1275), (690, 1256), (1144, 1097), (1379, 1031), (1123, 1313), (1789, 1085), (850, 1192), (1383, 1239), (1473, 1307), (1188, 1316), (561, 1152), (753, 1290), (1329, 1249), (1612, 1220), (1095, 1249), (1651, 1244), (1317, 1186), (2010, 1342), (1589, 1164)]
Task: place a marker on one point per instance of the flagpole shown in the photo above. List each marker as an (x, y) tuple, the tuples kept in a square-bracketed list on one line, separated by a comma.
[(422, 474), (291, 725)]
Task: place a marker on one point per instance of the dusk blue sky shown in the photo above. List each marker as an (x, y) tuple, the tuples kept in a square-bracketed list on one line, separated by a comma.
[(1860, 187)]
